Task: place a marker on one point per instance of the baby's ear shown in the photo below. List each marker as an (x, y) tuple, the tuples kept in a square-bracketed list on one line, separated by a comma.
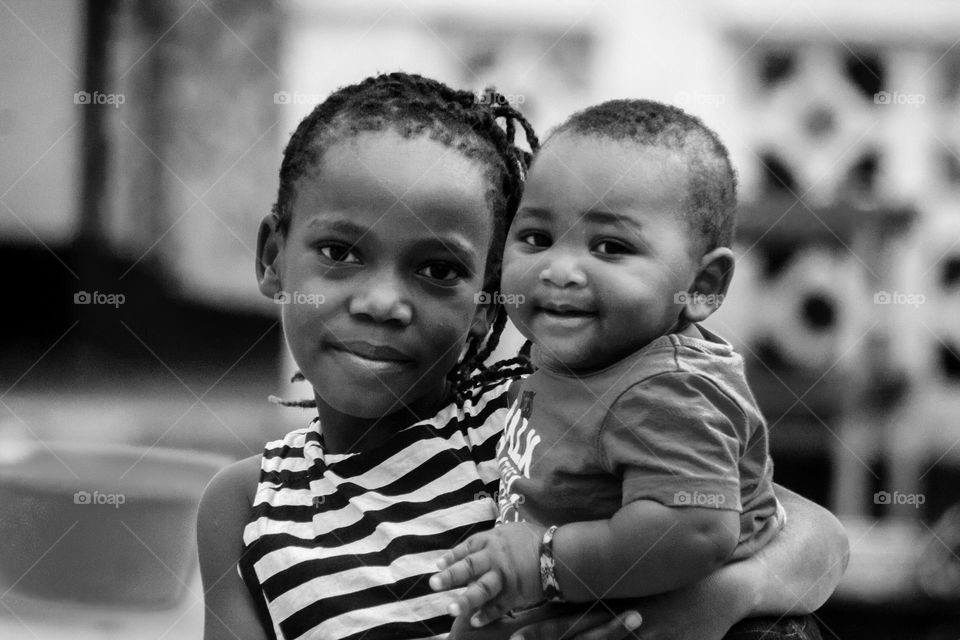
[(710, 285), (269, 243)]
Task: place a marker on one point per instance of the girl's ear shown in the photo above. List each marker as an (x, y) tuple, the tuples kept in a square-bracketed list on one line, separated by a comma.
[(709, 285), (269, 243)]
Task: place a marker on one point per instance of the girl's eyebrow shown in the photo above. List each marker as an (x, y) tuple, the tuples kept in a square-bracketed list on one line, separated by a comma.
[(465, 252), (342, 226)]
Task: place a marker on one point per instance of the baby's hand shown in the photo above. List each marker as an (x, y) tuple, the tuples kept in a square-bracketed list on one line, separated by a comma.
[(500, 568)]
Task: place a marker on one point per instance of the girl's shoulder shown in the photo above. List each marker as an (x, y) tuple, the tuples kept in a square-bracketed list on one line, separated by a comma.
[(228, 498), (224, 511)]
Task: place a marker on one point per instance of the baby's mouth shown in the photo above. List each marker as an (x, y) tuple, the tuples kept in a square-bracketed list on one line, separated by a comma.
[(565, 310)]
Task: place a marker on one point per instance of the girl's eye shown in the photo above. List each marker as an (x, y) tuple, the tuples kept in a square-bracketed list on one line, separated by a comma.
[(612, 247), (338, 253), (535, 238), (440, 271)]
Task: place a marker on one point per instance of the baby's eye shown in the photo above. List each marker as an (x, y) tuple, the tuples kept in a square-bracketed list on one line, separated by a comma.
[(612, 247), (440, 271), (336, 252), (534, 238)]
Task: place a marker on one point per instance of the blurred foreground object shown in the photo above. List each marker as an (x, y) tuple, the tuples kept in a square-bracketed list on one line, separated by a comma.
[(100, 524)]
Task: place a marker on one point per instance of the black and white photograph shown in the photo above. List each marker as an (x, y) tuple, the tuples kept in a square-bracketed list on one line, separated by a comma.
[(426, 319)]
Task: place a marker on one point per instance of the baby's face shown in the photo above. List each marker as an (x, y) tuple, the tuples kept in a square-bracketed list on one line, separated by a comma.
[(599, 251)]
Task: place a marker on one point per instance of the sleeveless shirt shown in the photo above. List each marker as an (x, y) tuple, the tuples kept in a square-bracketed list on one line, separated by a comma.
[(341, 546)]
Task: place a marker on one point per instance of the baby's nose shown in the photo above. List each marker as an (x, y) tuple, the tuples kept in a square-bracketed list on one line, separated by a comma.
[(563, 271)]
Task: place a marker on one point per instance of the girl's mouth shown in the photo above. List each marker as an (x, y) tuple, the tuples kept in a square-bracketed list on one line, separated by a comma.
[(373, 356)]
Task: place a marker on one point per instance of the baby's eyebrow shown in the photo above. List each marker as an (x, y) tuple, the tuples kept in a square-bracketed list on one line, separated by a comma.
[(609, 217), (534, 212)]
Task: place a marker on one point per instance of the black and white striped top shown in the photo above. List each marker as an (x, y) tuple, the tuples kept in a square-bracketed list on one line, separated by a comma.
[(341, 546)]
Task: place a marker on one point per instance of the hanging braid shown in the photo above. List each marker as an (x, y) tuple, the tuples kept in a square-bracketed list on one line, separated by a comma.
[(412, 105)]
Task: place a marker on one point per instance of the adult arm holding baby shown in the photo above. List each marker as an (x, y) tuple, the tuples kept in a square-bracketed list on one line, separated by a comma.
[(645, 548), (793, 575)]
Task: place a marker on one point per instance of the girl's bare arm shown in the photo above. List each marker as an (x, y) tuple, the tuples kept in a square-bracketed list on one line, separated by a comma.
[(224, 511), (793, 575)]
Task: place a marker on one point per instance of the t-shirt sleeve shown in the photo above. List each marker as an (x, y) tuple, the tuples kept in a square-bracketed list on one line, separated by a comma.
[(675, 438)]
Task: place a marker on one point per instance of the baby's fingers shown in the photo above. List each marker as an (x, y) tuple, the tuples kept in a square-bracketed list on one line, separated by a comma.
[(489, 613), (462, 572), (479, 593), (476, 542)]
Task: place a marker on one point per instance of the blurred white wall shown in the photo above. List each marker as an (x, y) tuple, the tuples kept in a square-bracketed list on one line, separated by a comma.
[(39, 121)]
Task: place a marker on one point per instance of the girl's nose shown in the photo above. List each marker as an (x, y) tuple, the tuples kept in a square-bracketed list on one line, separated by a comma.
[(563, 271), (381, 299)]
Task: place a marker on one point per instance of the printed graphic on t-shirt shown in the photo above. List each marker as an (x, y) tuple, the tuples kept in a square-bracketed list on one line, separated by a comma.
[(515, 455)]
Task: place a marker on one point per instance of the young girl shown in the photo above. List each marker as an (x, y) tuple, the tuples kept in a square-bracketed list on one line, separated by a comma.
[(394, 198)]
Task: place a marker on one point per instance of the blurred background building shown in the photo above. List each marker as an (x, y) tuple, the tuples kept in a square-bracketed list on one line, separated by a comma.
[(141, 143)]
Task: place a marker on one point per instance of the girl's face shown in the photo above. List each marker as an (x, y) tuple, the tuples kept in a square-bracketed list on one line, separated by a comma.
[(380, 268)]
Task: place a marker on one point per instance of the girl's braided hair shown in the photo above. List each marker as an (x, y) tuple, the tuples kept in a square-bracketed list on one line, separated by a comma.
[(412, 105)]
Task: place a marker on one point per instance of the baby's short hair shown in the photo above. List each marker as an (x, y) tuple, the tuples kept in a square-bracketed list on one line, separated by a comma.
[(712, 198)]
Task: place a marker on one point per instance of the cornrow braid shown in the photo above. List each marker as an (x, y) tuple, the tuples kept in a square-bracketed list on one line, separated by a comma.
[(501, 370), (411, 106)]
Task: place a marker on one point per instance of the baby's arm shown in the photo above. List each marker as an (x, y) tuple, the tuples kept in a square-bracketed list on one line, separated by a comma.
[(645, 548)]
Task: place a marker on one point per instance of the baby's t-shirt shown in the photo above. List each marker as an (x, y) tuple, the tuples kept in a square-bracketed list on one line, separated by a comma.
[(673, 422)]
